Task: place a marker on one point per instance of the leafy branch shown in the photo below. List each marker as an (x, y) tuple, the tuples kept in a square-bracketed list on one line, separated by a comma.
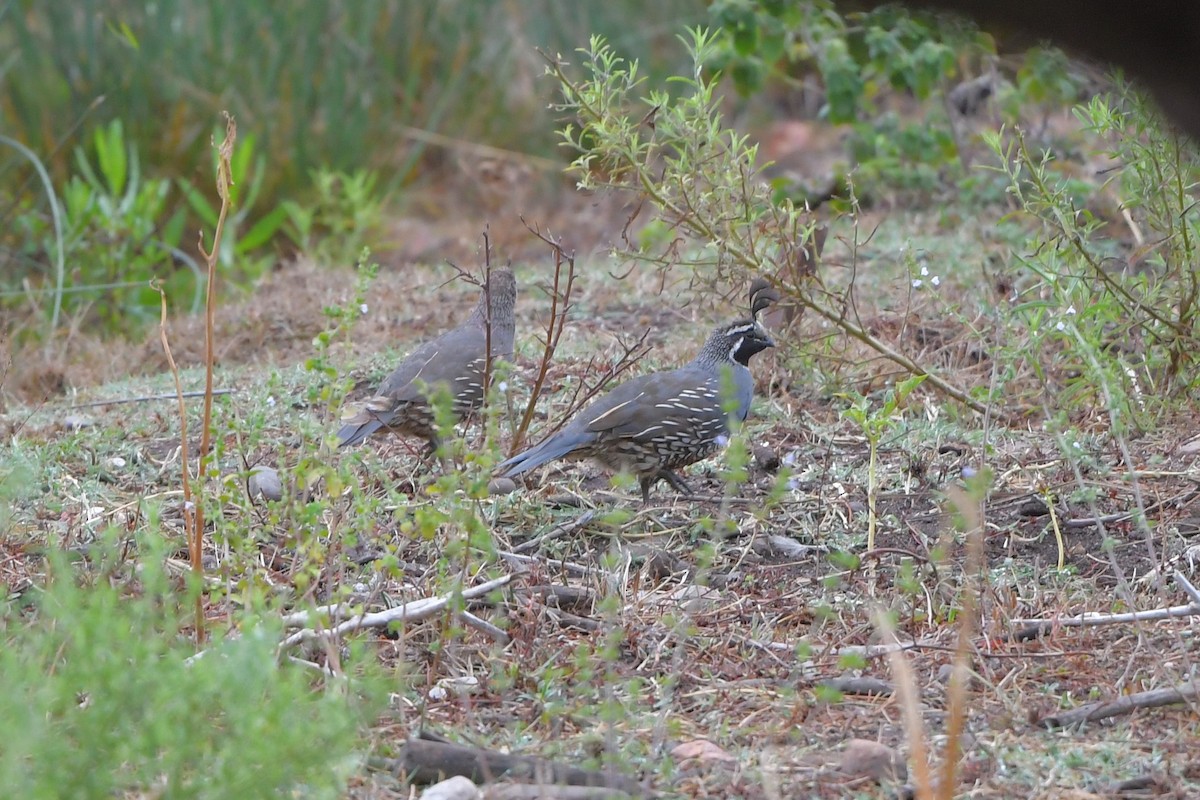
[(701, 178)]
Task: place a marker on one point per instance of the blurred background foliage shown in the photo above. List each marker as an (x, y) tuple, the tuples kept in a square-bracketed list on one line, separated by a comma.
[(119, 100), (108, 110)]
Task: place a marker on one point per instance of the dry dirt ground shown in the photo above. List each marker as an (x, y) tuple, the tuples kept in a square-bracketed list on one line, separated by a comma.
[(633, 636)]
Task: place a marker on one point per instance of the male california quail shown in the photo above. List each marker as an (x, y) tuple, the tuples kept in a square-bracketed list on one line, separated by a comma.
[(655, 424), (455, 360)]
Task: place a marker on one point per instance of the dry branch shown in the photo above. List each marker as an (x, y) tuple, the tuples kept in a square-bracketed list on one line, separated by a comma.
[(558, 530), (409, 612), (560, 305), (150, 397), (425, 761), (1155, 698), (847, 684), (1033, 628)]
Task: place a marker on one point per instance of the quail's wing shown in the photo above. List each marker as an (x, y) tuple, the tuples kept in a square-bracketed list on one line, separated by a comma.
[(680, 400), (438, 361)]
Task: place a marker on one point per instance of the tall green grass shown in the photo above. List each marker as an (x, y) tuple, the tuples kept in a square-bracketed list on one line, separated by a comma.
[(322, 83)]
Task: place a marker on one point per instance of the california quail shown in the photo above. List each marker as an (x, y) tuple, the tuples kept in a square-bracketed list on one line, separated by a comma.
[(455, 360), (658, 423)]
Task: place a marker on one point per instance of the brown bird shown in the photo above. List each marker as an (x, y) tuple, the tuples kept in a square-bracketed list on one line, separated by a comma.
[(656, 424), (455, 360)]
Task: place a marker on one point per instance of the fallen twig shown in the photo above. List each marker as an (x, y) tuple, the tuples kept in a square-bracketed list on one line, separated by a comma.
[(578, 598), (484, 627), (568, 567), (847, 684), (1154, 698), (1126, 516), (150, 398), (425, 761), (413, 611), (531, 791), (1034, 628), (558, 530), (1188, 589)]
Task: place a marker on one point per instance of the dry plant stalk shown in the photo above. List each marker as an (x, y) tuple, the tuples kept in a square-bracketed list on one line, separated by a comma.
[(560, 304), (971, 510), (905, 679), (194, 521)]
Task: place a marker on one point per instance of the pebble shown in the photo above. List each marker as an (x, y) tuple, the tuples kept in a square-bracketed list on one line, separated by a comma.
[(265, 481)]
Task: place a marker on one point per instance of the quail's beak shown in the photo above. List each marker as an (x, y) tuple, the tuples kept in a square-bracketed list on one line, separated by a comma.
[(768, 341)]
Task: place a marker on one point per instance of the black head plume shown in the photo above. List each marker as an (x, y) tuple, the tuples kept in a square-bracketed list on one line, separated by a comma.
[(762, 295)]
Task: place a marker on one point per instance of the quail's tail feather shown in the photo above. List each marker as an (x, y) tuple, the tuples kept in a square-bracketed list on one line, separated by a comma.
[(355, 432), (557, 446)]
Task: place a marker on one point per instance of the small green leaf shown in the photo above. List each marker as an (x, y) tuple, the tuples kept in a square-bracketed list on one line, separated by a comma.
[(262, 231)]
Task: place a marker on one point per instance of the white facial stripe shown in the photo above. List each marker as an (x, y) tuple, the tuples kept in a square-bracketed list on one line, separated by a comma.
[(736, 346)]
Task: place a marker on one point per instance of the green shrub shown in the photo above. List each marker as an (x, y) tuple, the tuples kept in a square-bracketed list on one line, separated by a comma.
[(102, 699), (1124, 321)]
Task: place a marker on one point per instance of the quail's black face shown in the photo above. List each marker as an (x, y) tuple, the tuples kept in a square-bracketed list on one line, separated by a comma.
[(747, 338)]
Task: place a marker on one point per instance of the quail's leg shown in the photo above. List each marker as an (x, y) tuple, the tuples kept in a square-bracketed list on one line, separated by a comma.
[(646, 481), (431, 447), (677, 483)]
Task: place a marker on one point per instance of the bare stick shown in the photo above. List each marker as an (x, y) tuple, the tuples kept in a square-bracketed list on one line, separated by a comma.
[(1154, 698), (556, 531), (414, 611), (179, 395), (1036, 627), (570, 568), (484, 627), (423, 761), (1188, 589)]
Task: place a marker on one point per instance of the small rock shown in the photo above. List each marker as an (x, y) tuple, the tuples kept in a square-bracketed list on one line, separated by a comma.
[(74, 422), (863, 758), (700, 750), (661, 564), (265, 481), (501, 486), (116, 462), (766, 458), (456, 788), (1033, 507)]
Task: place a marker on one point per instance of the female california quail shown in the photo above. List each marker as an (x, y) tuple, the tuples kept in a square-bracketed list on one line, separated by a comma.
[(655, 424), (455, 360)]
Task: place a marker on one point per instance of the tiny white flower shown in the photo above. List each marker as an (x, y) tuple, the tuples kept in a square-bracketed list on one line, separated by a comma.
[(924, 270), (793, 484), (969, 472), (1060, 325), (935, 280), (437, 693), (917, 283), (363, 308), (189, 506), (790, 458), (502, 386), (722, 440), (270, 401), (1070, 309), (1129, 371)]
